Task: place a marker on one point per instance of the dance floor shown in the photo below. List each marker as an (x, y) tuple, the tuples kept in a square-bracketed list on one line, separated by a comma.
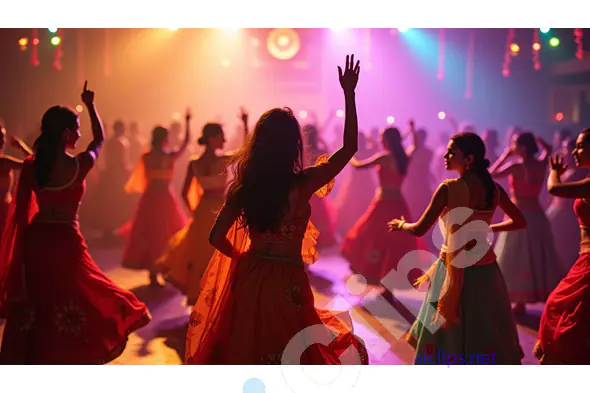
[(162, 341)]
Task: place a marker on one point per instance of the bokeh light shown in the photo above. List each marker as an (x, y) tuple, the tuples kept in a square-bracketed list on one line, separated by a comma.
[(23, 41), (390, 119), (442, 115), (340, 113), (55, 41), (545, 30), (283, 44), (514, 48), (536, 46), (53, 30), (554, 41), (559, 116), (302, 114), (79, 108), (173, 28)]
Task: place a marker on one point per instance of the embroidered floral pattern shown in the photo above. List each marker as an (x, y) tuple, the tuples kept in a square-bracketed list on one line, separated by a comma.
[(70, 319), (294, 296), (209, 297), (272, 359), (374, 256)]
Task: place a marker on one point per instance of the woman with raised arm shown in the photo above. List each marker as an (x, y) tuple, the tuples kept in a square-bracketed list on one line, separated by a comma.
[(561, 213), (370, 250), (60, 308), (466, 312), (8, 165), (159, 214), (527, 258), (563, 331), (256, 305), (188, 252)]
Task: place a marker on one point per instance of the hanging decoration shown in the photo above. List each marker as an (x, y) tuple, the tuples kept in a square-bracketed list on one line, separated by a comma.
[(34, 61), (536, 50), (107, 53), (80, 62), (578, 34), (508, 54), (441, 55), (57, 41), (470, 64)]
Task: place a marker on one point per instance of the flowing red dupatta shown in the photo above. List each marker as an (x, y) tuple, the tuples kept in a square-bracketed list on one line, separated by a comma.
[(217, 279), (13, 291)]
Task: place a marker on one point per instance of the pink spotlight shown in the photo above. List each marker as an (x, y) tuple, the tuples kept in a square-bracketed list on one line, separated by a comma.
[(339, 113), (302, 114), (442, 115), (390, 119)]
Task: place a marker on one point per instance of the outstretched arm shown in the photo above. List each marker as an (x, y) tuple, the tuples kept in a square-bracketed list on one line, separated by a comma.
[(577, 189), (187, 136), (498, 170), (433, 211), (95, 146), (546, 148), (318, 176), (21, 145), (369, 162)]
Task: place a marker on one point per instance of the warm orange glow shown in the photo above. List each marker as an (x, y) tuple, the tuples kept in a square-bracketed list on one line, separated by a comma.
[(559, 116), (536, 46), (283, 44), (514, 48), (225, 63), (23, 41), (79, 108)]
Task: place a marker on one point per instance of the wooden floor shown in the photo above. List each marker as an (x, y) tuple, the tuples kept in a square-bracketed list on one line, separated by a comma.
[(162, 341)]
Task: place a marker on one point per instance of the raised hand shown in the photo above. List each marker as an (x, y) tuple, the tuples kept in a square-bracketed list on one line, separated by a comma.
[(87, 95), (243, 115), (350, 77), (412, 125), (556, 164), (188, 116)]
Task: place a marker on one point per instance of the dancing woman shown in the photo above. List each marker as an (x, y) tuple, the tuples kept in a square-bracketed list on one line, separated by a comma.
[(159, 214), (371, 251), (60, 308), (527, 258), (471, 314), (188, 252), (256, 305), (8, 165), (565, 323)]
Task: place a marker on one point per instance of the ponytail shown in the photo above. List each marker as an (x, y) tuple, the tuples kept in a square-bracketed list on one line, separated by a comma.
[(46, 149), (481, 170)]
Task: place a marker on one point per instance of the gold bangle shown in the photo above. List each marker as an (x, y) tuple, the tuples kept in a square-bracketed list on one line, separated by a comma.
[(400, 226)]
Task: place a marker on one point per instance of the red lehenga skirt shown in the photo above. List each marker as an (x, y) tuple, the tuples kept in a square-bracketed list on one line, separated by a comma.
[(72, 313), (373, 251), (323, 216), (257, 310), (565, 323), (158, 217)]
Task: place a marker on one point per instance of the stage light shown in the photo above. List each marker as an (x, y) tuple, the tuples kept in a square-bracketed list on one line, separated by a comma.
[(514, 48), (337, 29), (390, 119), (173, 28), (35, 41), (283, 44), (339, 113), (403, 30), (302, 114), (442, 115), (536, 46), (55, 41), (554, 42), (23, 41), (225, 63), (559, 116), (53, 30), (545, 30), (79, 108)]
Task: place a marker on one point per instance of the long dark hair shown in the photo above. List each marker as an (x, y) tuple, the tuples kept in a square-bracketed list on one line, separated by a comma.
[(528, 141), (159, 134), (55, 121), (471, 144), (266, 171), (395, 147)]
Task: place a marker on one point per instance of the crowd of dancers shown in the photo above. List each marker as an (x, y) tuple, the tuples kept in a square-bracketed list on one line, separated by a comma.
[(258, 216)]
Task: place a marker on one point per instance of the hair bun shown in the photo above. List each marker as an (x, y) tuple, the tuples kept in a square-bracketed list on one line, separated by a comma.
[(201, 141)]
